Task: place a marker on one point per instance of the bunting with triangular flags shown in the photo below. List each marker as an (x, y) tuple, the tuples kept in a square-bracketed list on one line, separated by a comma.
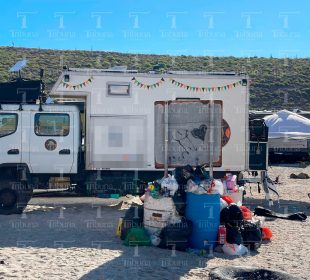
[(205, 89), (77, 86), (147, 86)]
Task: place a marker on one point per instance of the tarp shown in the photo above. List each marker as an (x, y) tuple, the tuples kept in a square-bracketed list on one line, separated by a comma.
[(288, 124)]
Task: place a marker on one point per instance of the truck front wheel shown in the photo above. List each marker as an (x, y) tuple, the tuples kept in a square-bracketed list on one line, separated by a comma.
[(14, 197)]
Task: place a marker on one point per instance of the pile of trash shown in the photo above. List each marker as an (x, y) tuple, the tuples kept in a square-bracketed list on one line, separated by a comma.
[(189, 211)]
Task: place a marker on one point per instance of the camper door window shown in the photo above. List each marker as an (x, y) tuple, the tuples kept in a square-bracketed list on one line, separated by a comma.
[(8, 124), (118, 89), (51, 124)]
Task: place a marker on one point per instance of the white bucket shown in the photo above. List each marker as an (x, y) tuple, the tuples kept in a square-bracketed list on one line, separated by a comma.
[(158, 213)]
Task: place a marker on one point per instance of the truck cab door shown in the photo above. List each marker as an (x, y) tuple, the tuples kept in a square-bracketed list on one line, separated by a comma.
[(51, 142), (10, 137)]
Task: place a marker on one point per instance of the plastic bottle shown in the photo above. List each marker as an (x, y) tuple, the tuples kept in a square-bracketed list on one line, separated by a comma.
[(222, 235)]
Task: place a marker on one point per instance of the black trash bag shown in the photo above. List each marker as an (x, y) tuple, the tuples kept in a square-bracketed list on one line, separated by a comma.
[(231, 214), (183, 173), (233, 234), (176, 235), (251, 235), (179, 200), (133, 218), (200, 173), (261, 211)]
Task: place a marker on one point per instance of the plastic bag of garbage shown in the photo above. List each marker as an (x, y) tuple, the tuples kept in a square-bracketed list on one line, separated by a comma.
[(217, 187), (231, 182), (137, 237), (170, 184), (251, 235), (223, 203), (201, 190), (234, 249), (191, 186), (183, 174), (155, 239)]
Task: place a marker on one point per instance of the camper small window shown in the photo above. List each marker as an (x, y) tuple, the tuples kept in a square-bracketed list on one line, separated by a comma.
[(118, 89), (8, 124), (51, 124)]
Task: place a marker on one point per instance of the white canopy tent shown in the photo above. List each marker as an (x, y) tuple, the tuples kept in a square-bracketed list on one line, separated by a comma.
[(289, 133), (287, 124)]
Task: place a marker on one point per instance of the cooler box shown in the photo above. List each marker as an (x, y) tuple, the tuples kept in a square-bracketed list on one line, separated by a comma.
[(158, 213), (204, 211)]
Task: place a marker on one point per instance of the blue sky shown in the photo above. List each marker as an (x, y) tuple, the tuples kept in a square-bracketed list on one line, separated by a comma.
[(280, 28)]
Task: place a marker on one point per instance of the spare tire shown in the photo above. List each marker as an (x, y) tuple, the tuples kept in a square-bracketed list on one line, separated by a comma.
[(14, 197), (248, 272)]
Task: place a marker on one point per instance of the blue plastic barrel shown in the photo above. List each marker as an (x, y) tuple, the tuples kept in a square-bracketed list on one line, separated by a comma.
[(204, 211)]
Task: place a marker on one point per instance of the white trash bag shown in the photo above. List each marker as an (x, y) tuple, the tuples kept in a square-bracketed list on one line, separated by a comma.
[(223, 204), (171, 184), (234, 249), (191, 186), (217, 187), (155, 239)]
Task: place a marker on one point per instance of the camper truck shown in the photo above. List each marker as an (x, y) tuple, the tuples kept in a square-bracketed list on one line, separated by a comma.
[(110, 131)]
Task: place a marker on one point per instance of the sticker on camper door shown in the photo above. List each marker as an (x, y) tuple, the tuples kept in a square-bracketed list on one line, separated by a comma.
[(226, 132), (50, 145)]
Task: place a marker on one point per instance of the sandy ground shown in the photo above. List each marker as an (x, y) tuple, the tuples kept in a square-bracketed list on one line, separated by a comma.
[(74, 238)]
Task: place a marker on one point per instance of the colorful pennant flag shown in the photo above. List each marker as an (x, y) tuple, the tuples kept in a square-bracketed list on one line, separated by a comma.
[(148, 86), (77, 86), (205, 89)]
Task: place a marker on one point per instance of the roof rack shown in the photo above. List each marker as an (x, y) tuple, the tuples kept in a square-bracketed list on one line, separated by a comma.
[(115, 69), (201, 73)]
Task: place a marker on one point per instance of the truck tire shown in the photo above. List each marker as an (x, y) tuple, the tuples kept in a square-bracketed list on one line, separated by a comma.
[(14, 197)]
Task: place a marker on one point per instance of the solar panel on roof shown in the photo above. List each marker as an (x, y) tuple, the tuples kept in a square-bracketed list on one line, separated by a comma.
[(18, 66)]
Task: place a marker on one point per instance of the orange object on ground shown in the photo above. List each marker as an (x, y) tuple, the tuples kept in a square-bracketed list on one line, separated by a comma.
[(228, 199), (247, 214), (266, 233)]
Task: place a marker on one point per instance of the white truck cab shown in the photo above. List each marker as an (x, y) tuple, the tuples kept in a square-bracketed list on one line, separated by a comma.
[(35, 140), (45, 140)]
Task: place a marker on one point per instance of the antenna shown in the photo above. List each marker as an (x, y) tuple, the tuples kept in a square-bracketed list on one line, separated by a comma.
[(41, 73)]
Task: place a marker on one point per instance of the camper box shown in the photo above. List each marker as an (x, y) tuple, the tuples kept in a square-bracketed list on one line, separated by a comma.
[(129, 117)]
